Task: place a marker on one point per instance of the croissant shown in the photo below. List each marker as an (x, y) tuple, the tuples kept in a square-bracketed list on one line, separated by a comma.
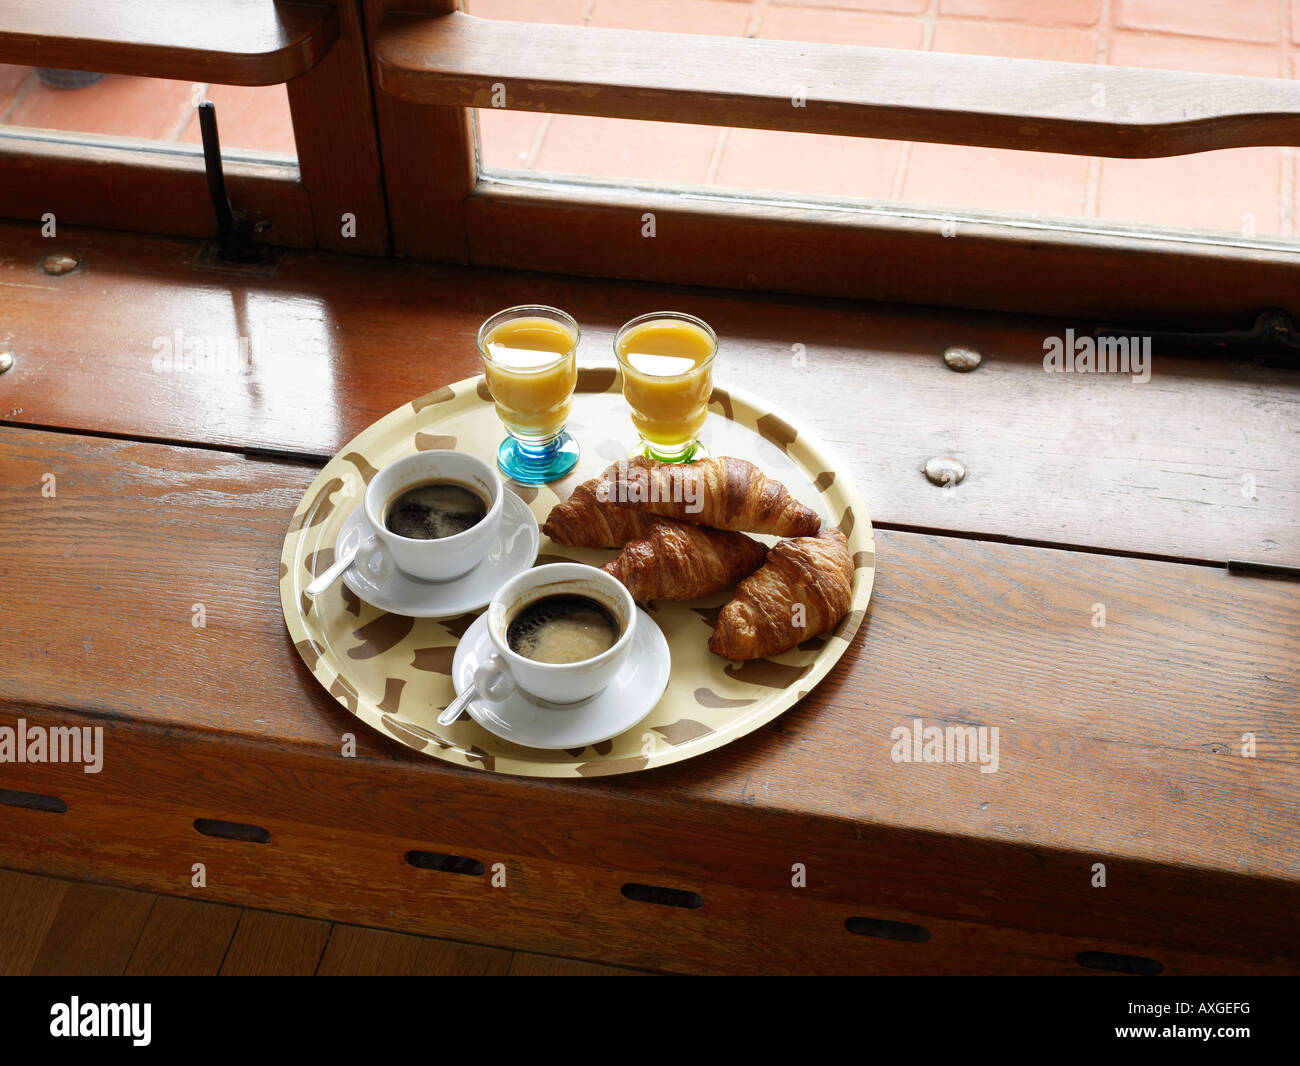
[(802, 591), (676, 561), (583, 521), (725, 493)]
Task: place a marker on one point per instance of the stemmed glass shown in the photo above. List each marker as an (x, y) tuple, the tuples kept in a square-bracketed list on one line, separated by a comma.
[(666, 359), (531, 370)]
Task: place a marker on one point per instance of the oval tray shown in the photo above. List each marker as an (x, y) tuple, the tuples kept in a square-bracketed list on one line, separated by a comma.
[(394, 672)]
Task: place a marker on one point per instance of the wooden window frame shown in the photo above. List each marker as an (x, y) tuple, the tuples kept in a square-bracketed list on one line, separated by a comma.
[(317, 49), (935, 256), (385, 130)]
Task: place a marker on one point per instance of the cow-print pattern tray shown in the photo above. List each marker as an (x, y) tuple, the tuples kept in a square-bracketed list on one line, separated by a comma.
[(394, 672)]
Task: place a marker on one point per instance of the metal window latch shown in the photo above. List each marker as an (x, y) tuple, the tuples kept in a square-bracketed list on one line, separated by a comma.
[(236, 242), (1273, 340)]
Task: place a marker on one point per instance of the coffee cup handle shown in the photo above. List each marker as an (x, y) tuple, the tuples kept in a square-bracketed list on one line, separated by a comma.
[(373, 561), (492, 681)]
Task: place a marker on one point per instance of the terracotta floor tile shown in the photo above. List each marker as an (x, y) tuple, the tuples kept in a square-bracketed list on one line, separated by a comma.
[(1295, 206), (118, 106), (560, 12), (11, 80), (815, 164), (1212, 190), (256, 118), (808, 163), (1015, 42), (1036, 12), (627, 148), (902, 7), (1239, 20), (726, 18), (948, 175), (1201, 55), (841, 27), (506, 137)]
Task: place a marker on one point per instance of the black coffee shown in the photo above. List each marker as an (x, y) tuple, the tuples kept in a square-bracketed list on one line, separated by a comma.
[(562, 629), (434, 509)]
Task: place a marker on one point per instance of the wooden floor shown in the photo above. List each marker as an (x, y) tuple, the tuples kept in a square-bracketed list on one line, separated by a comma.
[(53, 927)]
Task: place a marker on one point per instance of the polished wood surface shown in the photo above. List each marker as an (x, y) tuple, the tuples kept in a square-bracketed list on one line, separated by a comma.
[(1157, 468), (1119, 744), (962, 629), (234, 42), (959, 632), (457, 60)]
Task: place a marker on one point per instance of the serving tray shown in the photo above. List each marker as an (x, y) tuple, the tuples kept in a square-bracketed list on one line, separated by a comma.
[(394, 672)]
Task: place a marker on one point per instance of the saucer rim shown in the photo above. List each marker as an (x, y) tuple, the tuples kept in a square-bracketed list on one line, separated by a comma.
[(526, 519), (480, 624)]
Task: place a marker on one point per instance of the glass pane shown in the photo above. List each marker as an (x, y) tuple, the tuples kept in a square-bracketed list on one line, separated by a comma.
[(1240, 191), (252, 121)]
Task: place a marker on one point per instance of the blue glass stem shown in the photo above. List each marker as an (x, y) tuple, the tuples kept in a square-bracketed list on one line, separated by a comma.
[(538, 465)]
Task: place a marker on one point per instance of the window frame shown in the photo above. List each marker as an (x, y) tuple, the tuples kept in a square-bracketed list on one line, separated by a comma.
[(409, 172), (887, 252), (138, 186)]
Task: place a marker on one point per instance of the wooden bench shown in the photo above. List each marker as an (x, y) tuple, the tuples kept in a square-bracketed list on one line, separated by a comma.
[(1120, 745)]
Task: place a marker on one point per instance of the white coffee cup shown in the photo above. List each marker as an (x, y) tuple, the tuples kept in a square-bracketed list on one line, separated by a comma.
[(444, 558), (553, 683)]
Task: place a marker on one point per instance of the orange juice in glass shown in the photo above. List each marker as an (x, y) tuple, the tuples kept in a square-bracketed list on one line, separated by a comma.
[(529, 363), (667, 363)]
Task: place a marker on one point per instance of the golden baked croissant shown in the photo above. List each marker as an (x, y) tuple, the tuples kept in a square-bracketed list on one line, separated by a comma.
[(802, 591), (676, 561), (583, 521), (724, 492)]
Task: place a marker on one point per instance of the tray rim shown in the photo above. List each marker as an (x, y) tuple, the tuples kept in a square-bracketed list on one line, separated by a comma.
[(470, 757)]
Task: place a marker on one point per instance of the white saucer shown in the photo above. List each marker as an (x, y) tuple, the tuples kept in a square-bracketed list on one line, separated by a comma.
[(627, 699), (514, 551)]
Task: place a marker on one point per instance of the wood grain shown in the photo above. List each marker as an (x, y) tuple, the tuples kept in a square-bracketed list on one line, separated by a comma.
[(184, 938), (280, 945), (430, 159), (917, 255), (526, 964), (1093, 460), (235, 42), (456, 59), (94, 932), (358, 951), (28, 907), (114, 595), (749, 924), (190, 937), (1097, 764), (337, 144)]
